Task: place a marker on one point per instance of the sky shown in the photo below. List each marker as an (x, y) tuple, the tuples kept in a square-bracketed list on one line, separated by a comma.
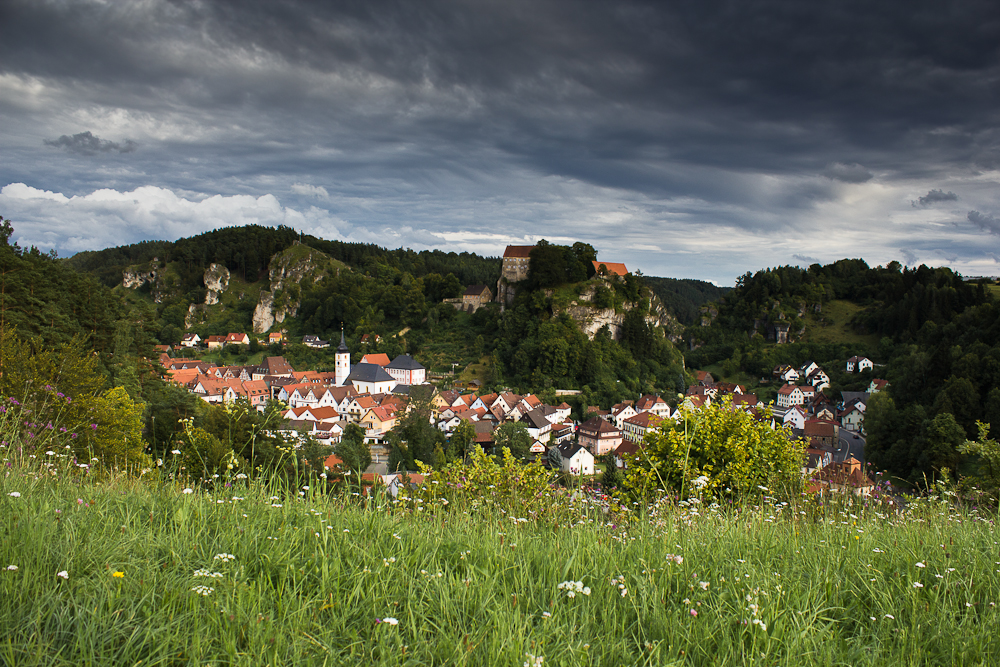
[(685, 139)]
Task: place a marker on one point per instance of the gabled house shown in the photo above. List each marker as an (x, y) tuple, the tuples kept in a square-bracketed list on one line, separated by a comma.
[(237, 339), (653, 404), (377, 421), (475, 297), (621, 412), (572, 458), (635, 427), (858, 364), (215, 342), (877, 385), (315, 342), (537, 425), (785, 373), (704, 379), (790, 395), (795, 417), (404, 369), (598, 436), (852, 417), (190, 340)]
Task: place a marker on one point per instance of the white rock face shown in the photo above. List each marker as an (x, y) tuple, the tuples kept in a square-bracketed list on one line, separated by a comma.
[(136, 276), (263, 314), (216, 280)]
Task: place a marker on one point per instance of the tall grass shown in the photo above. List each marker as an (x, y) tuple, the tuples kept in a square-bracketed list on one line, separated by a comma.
[(317, 578)]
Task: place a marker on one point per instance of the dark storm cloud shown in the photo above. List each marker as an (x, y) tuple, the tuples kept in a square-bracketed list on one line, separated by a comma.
[(985, 222), (935, 196), (85, 143), (749, 116), (848, 173)]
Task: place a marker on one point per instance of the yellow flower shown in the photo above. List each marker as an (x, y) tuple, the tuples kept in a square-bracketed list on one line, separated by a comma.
[(119, 574)]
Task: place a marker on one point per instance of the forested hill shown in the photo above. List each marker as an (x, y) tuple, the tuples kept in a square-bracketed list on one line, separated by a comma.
[(932, 335), (247, 251), (685, 297)]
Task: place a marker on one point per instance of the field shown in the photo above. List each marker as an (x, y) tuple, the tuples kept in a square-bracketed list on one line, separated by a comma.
[(115, 571)]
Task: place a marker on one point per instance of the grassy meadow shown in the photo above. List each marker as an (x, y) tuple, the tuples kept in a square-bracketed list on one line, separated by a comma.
[(111, 570)]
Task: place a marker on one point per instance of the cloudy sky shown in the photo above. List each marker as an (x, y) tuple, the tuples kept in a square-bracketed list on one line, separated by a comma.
[(687, 139)]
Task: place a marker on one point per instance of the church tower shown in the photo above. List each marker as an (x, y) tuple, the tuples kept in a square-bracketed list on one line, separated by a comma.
[(342, 361)]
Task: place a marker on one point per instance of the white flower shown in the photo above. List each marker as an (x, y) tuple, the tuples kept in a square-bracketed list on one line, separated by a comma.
[(704, 585), (921, 565), (917, 584), (203, 590), (175, 451), (12, 568), (533, 660), (225, 558), (14, 494), (890, 617), (64, 574), (188, 491), (390, 620)]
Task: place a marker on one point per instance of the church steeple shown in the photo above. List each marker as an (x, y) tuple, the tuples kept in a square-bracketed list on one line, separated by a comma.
[(342, 360)]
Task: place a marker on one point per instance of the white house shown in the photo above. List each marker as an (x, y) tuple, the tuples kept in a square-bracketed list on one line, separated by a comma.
[(795, 417), (190, 340), (572, 458), (404, 369), (858, 364), (790, 395)]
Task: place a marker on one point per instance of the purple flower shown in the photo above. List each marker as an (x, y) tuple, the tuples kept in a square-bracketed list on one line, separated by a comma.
[(73, 436), (93, 426)]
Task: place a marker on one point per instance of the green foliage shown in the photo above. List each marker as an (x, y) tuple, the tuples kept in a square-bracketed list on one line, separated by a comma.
[(354, 452), (729, 449), (513, 436), (988, 451)]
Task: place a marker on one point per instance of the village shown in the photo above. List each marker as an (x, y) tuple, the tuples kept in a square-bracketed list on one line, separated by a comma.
[(376, 392)]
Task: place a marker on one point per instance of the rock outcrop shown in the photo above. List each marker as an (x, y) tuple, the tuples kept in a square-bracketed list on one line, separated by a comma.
[(296, 266), (216, 280), (591, 319)]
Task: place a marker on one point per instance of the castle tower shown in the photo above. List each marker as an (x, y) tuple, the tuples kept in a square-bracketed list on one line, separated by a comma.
[(342, 361)]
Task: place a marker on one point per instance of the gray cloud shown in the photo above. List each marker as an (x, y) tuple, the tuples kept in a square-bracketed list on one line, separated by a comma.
[(85, 143), (909, 256), (609, 122), (848, 173), (985, 222), (935, 196)]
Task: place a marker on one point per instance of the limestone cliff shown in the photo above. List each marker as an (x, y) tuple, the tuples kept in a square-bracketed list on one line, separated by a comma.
[(139, 275), (296, 266), (216, 280), (591, 319)]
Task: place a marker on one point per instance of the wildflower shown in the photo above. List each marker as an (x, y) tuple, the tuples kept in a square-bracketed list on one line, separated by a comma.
[(206, 573), (917, 584), (175, 451), (890, 617), (693, 612), (275, 504), (64, 574), (703, 585), (188, 491), (533, 660), (12, 568), (203, 590), (546, 614), (921, 565), (390, 620), (118, 574), (225, 558), (14, 494), (93, 426), (762, 624)]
